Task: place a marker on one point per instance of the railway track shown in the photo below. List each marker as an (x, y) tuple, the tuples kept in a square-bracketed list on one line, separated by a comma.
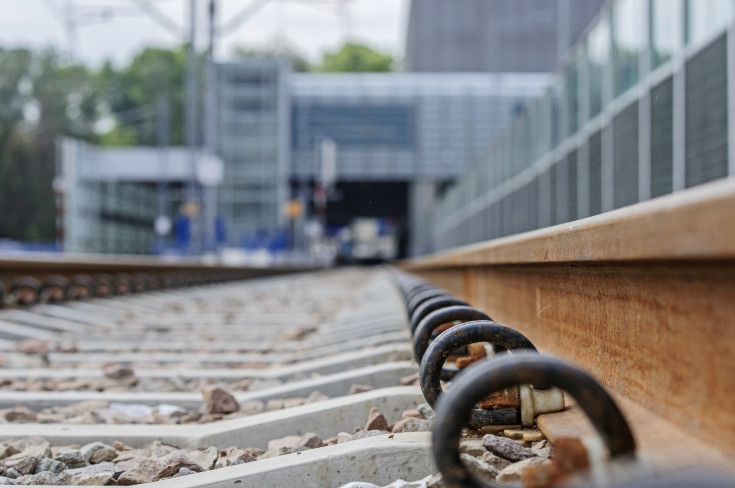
[(136, 373), (277, 358)]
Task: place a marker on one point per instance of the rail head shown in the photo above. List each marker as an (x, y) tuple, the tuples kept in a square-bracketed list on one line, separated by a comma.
[(694, 224)]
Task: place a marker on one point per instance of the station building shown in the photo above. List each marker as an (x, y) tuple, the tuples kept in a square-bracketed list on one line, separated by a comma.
[(641, 105), (108, 199), (397, 139)]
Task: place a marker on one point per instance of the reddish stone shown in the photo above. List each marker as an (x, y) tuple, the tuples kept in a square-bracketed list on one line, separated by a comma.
[(376, 420)]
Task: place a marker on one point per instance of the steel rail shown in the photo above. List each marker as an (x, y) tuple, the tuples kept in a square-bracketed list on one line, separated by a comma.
[(56, 278), (642, 297)]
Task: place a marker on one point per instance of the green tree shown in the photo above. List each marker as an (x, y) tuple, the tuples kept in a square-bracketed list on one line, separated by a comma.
[(18, 187), (14, 90), (68, 98), (42, 99), (14, 94), (276, 48), (153, 74), (356, 58)]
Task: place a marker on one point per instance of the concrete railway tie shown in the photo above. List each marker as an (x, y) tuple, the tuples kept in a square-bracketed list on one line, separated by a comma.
[(268, 382)]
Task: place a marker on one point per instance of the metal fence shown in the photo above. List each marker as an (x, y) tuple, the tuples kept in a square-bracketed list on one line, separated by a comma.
[(642, 107)]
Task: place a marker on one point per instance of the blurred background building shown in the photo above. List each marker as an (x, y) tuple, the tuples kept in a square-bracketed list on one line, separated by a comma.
[(494, 35), (112, 196), (253, 138), (641, 106), (476, 139), (109, 196), (398, 138)]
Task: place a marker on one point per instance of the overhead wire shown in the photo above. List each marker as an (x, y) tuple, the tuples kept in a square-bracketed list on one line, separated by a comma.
[(155, 14)]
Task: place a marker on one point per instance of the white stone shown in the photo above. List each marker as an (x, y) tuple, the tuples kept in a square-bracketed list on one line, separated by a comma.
[(513, 472), (380, 460)]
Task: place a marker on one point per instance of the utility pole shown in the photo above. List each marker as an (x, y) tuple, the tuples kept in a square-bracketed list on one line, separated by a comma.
[(163, 125), (190, 193), (210, 134), (211, 100)]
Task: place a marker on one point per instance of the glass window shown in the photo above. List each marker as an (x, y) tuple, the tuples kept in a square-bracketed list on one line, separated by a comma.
[(547, 121), (705, 17), (534, 119), (598, 56), (355, 125), (556, 115), (572, 99), (629, 38), (666, 30)]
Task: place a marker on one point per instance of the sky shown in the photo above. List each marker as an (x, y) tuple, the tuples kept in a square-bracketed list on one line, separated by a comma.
[(312, 26)]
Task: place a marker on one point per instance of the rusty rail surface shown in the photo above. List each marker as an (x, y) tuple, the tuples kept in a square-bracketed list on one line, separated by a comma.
[(642, 298)]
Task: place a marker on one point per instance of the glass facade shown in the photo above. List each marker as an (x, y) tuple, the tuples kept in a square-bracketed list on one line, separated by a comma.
[(253, 142), (350, 125), (401, 126), (582, 148)]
